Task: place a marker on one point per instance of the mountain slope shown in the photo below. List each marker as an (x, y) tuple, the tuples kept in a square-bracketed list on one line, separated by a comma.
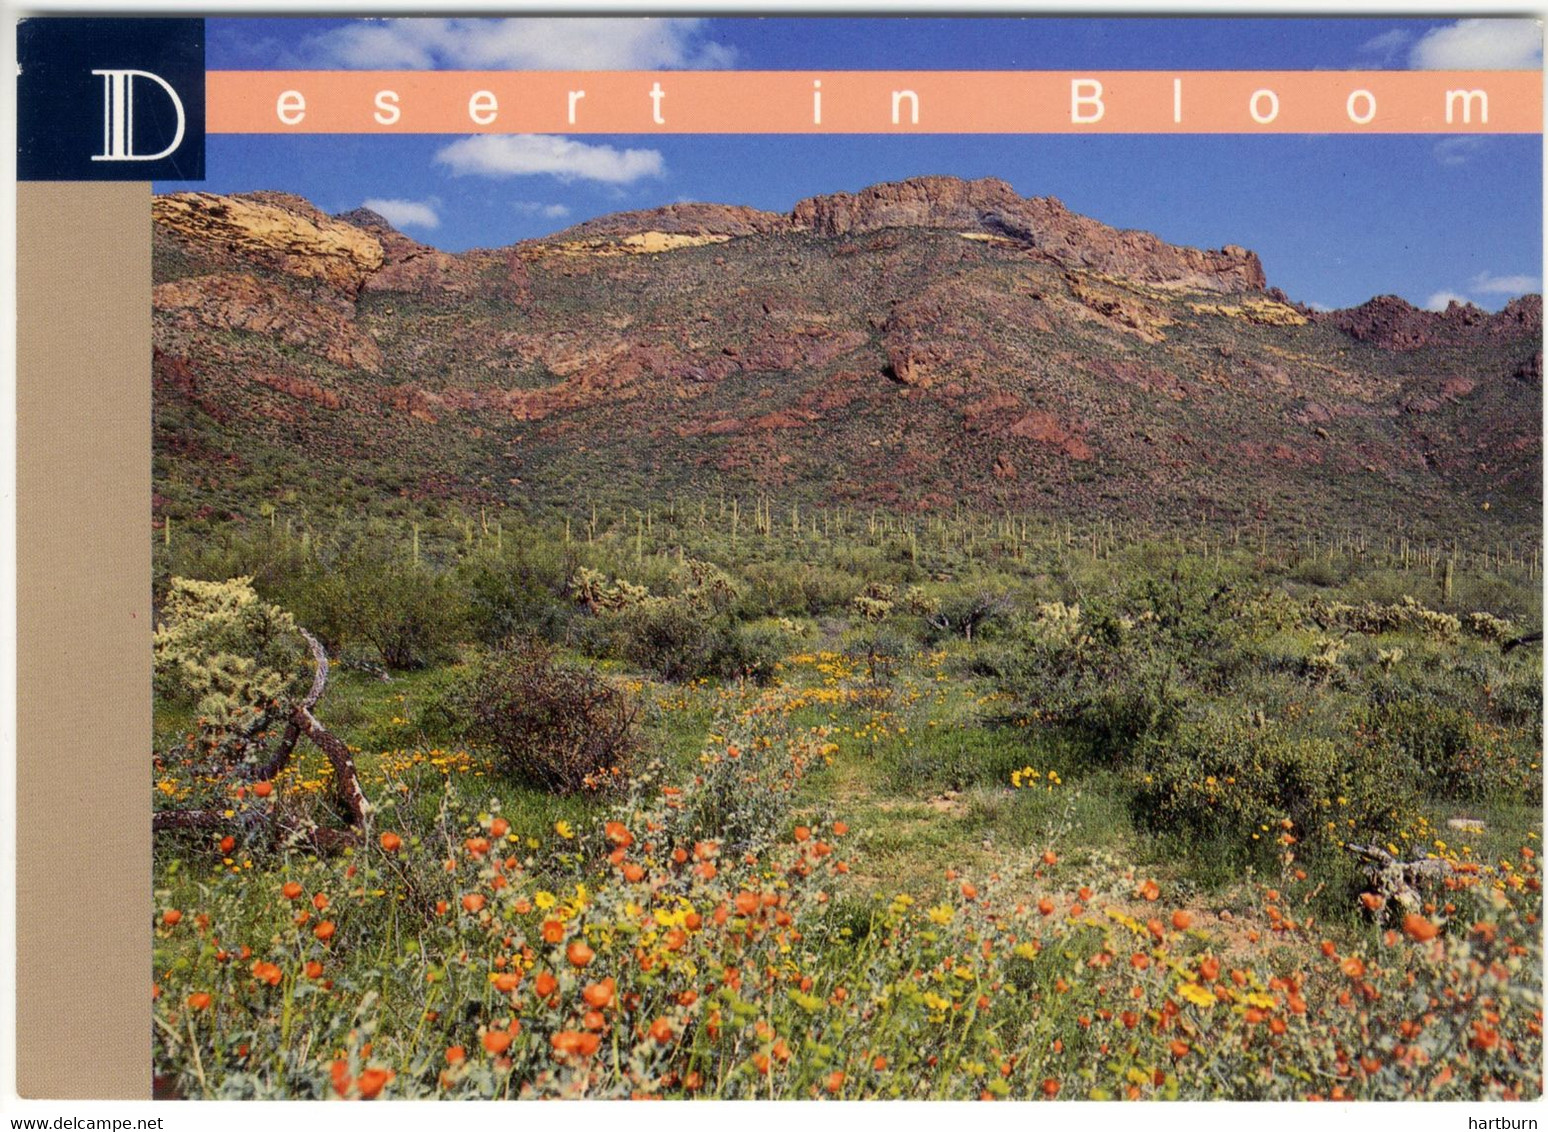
[(915, 344)]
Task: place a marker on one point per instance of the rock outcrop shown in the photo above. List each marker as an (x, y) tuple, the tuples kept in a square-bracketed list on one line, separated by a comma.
[(1044, 224), (1397, 324), (274, 230)]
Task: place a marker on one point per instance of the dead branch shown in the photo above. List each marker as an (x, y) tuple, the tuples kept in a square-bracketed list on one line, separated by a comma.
[(1399, 881), (347, 789)]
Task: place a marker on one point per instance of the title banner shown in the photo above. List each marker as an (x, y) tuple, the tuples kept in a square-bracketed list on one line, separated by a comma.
[(871, 102)]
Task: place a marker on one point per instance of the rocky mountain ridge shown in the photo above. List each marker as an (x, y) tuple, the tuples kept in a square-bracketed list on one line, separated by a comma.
[(910, 344)]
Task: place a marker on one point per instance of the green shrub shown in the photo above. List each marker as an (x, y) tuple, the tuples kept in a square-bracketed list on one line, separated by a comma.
[(751, 652), (1455, 755), (1249, 780), (775, 588), (513, 596), (558, 726), (1108, 679), (675, 638), (409, 615)]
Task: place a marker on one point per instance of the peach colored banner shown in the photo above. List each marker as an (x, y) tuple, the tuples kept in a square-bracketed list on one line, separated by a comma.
[(874, 102)]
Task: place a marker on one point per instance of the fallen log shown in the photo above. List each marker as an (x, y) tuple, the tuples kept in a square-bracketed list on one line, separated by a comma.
[(1398, 881), (348, 793)]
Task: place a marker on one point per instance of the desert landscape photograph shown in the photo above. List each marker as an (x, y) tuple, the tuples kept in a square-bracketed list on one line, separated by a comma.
[(889, 618)]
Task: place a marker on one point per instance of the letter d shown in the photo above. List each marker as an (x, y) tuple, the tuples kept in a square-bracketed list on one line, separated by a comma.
[(118, 116)]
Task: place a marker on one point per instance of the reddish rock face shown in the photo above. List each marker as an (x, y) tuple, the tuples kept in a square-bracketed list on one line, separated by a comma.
[(991, 207), (1397, 324), (859, 348), (239, 301), (691, 219)]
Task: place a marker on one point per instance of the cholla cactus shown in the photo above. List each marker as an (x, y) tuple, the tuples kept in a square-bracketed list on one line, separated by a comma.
[(592, 589), (1405, 615), (1327, 661), (876, 602), (1490, 627), (872, 609), (231, 654), (709, 585), (1058, 623)]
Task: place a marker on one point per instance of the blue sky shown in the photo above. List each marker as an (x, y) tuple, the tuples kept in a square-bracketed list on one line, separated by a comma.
[(1335, 219)]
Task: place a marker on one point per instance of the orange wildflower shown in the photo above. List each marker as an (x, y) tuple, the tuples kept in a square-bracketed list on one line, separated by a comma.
[(1418, 929), (600, 995), (373, 1081), (391, 842), (497, 1041), (579, 954), (473, 903)]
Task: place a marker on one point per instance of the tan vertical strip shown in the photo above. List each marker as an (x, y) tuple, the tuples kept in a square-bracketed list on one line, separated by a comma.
[(83, 638)]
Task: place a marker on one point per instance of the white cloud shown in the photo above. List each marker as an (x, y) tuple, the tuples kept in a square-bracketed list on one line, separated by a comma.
[(1481, 45), (522, 44), (1442, 299), (1323, 307), (522, 155), (1459, 150), (1388, 44), (1486, 283), (537, 208), (406, 213)]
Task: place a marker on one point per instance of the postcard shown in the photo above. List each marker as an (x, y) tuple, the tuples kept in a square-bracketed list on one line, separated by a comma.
[(780, 559)]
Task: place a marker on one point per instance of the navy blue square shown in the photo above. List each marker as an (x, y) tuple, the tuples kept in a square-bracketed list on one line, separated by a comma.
[(109, 99)]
